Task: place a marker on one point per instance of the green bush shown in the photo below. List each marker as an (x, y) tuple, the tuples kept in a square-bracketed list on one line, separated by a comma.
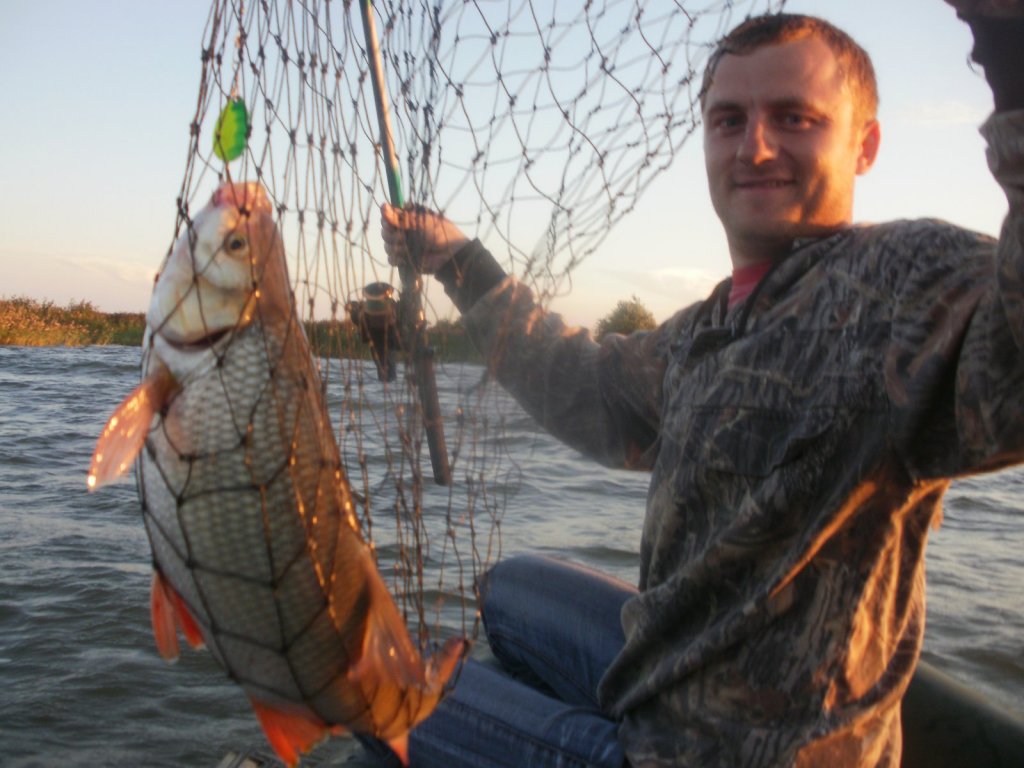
[(627, 317)]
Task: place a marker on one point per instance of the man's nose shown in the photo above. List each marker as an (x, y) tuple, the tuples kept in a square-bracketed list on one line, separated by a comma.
[(758, 145)]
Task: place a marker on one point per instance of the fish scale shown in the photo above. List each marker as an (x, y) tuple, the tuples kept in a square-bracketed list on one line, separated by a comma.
[(250, 542)]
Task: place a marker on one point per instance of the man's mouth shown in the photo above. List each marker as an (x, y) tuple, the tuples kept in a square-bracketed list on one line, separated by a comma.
[(762, 183)]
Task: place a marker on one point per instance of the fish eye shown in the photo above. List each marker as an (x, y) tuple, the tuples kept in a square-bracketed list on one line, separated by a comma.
[(235, 243)]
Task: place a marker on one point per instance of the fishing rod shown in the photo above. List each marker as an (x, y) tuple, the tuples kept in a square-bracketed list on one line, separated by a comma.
[(411, 320)]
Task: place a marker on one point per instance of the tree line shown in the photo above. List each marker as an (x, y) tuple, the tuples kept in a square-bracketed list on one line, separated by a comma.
[(28, 322)]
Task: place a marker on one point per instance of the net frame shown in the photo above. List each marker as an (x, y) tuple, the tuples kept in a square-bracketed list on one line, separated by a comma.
[(535, 126)]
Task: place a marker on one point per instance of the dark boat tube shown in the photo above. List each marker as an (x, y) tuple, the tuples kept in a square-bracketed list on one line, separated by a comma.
[(948, 725)]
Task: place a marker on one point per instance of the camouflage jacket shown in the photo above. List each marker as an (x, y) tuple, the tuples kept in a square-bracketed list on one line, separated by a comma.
[(800, 445)]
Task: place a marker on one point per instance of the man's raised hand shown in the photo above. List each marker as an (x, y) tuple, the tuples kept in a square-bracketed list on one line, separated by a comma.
[(419, 237)]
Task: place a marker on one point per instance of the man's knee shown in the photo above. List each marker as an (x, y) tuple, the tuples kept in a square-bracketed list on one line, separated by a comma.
[(511, 579), (508, 579)]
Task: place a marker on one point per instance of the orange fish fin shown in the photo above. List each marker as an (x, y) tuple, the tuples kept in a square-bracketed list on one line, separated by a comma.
[(125, 432), (388, 652), (161, 610), (186, 623), (400, 746), (289, 734), (170, 614)]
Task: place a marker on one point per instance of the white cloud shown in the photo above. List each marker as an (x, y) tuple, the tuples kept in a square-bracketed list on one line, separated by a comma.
[(941, 113), (680, 284), (124, 271)]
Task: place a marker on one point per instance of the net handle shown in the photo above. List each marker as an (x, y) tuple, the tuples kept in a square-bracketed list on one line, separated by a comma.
[(410, 304)]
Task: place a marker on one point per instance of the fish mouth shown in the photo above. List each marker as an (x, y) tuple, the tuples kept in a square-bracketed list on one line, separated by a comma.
[(200, 344)]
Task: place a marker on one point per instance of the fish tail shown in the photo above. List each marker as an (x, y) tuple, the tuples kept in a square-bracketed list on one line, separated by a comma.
[(420, 700), (401, 690), (442, 664), (400, 746)]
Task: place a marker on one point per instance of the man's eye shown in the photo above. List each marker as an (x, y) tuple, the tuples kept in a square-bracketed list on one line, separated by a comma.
[(728, 122), (796, 120)]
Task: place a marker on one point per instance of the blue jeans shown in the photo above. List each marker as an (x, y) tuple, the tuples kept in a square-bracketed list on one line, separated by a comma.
[(555, 628)]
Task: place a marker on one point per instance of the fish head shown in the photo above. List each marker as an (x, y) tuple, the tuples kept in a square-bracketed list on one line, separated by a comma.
[(226, 270)]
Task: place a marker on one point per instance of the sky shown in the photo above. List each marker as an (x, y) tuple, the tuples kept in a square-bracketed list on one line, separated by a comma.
[(98, 96)]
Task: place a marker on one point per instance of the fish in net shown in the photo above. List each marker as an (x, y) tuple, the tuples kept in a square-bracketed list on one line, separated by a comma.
[(534, 126)]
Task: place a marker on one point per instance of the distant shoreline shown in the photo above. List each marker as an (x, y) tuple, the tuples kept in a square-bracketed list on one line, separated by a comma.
[(32, 323), (27, 322)]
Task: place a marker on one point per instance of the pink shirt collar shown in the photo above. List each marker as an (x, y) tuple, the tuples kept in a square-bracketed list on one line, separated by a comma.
[(745, 280)]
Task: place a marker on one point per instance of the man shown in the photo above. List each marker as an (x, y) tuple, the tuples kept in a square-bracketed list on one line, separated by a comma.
[(801, 426)]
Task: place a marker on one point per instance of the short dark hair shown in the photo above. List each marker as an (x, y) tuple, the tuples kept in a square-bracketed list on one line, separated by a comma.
[(775, 28)]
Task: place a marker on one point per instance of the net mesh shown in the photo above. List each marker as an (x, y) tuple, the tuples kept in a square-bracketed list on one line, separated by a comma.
[(534, 125)]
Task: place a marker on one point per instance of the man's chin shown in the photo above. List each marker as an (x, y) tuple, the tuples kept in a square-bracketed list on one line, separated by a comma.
[(782, 229), (767, 232)]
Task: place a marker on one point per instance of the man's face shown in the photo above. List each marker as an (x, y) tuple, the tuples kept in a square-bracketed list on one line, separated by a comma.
[(782, 146)]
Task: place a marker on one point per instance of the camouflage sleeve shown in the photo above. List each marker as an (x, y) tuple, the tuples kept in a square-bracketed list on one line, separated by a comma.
[(602, 399), (955, 368)]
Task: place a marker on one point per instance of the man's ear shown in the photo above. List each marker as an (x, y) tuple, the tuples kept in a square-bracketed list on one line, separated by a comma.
[(870, 139)]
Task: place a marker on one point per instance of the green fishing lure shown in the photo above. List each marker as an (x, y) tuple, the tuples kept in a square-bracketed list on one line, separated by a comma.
[(232, 131)]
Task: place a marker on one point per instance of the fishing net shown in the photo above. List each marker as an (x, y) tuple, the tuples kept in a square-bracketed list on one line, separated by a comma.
[(534, 125)]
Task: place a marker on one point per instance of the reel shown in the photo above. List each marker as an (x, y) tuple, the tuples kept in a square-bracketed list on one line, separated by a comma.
[(376, 317)]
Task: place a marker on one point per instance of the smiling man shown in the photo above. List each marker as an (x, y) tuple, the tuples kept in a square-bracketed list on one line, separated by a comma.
[(801, 426), (786, 131)]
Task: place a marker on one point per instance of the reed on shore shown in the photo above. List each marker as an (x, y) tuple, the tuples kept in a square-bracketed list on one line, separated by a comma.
[(32, 323), (27, 322)]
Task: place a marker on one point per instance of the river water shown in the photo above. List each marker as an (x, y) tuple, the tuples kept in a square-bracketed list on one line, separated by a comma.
[(81, 683)]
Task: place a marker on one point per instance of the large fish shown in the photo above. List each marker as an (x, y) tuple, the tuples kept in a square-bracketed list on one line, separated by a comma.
[(256, 546)]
